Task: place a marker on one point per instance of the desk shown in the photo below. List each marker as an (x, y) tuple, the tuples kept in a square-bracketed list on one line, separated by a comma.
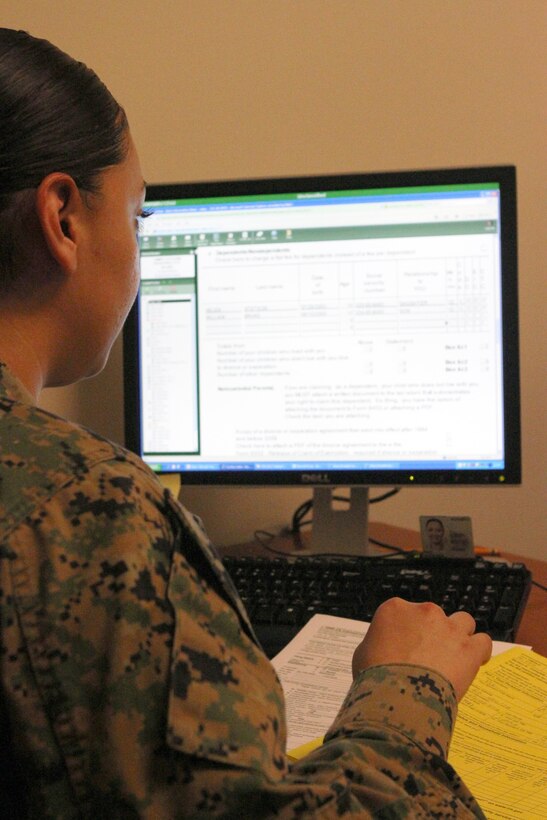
[(533, 627)]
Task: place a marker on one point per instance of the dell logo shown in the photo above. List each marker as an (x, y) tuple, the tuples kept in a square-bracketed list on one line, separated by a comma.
[(315, 478)]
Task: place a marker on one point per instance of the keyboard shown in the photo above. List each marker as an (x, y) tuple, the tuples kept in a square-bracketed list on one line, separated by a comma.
[(282, 594)]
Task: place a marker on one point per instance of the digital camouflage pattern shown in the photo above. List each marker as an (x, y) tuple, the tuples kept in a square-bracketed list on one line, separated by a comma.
[(131, 681)]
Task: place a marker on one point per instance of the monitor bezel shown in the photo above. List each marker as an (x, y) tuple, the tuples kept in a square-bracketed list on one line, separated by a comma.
[(505, 176)]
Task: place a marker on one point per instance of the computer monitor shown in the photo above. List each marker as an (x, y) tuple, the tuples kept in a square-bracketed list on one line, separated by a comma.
[(353, 330)]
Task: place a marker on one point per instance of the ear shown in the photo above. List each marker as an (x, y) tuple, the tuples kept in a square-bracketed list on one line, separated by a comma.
[(59, 207)]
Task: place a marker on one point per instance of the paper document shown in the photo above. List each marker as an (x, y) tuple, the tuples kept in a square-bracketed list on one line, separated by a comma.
[(499, 746), (315, 672)]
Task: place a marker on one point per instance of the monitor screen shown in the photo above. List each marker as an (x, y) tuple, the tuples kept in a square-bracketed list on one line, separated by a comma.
[(342, 330)]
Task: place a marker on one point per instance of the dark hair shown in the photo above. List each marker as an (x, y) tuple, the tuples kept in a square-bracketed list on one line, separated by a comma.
[(55, 115)]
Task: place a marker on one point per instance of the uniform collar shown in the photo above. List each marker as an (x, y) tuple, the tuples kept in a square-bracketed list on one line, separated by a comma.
[(12, 388)]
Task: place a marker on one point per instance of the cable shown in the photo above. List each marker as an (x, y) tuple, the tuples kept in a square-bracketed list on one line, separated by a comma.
[(395, 551), (299, 514), (392, 547)]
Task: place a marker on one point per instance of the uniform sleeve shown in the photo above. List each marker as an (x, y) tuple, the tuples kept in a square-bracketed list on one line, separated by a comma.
[(391, 739), (384, 757)]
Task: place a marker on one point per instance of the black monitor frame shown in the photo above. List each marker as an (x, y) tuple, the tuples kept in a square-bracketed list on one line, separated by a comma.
[(511, 474)]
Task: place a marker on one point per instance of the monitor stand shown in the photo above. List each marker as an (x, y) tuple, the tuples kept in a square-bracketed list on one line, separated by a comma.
[(342, 531)]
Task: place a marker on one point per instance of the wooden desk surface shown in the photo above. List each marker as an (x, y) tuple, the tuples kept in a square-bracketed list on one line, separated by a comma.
[(533, 627)]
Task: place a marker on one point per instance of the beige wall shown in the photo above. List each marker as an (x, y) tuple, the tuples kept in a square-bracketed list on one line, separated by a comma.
[(228, 88)]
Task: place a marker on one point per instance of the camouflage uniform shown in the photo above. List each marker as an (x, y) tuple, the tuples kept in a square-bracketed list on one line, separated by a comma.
[(131, 680)]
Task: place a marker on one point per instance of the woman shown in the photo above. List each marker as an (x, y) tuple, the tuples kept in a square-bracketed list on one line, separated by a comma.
[(434, 529), (132, 685)]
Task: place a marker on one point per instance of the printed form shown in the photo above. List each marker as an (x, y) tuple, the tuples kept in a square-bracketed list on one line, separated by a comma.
[(499, 745), (347, 350)]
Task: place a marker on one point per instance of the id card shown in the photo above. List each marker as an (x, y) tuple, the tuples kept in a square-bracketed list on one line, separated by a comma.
[(448, 535)]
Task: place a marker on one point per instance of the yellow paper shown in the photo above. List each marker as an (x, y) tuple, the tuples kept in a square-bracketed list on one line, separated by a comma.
[(305, 749), (499, 746)]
